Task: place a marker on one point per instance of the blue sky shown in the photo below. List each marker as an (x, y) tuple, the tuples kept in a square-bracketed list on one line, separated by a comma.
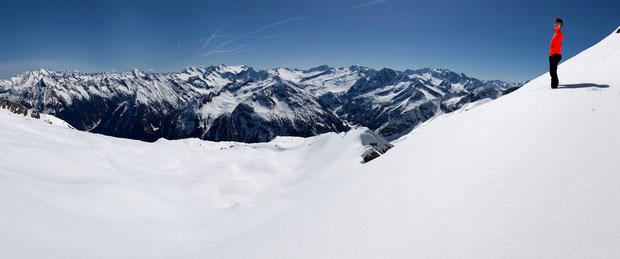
[(507, 40)]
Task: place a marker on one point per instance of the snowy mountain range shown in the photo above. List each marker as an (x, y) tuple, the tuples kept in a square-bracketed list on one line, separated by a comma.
[(238, 103)]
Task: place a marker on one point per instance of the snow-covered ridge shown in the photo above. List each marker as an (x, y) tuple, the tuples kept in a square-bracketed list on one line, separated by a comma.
[(238, 103), (16, 109)]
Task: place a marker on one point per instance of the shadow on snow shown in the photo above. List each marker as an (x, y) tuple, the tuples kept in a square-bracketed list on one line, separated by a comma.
[(583, 85)]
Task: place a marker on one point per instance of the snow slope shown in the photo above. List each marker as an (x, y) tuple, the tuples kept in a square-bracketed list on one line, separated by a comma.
[(68, 193), (533, 174)]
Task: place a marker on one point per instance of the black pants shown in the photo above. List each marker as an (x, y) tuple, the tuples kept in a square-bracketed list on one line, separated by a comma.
[(554, 60)]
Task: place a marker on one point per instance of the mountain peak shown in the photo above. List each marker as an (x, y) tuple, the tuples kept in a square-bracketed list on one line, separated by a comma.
[(135, 71), (357, 68), (231, 69), (319, 68), (44, 72)]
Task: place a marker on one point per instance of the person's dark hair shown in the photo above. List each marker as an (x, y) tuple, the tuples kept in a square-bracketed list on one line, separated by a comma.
[(560, 21)]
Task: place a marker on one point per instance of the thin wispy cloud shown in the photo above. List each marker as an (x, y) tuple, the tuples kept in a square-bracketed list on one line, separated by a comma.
[(235, 36), (274, 24), (225, 43), (205, 44), (213, 36), (366, 4), (266, 37), (242, 48), (179, 44), (231, 51), (243, 51)]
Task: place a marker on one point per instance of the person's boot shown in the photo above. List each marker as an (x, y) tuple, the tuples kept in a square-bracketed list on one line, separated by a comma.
[(554, 84)]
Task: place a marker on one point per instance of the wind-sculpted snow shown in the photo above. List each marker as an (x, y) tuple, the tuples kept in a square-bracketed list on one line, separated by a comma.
[(237, 103), (68, 193)]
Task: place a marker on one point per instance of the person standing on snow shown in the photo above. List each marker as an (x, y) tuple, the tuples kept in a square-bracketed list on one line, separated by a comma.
[(555, 55)]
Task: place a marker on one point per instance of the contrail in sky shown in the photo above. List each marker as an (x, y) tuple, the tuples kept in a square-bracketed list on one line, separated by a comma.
[(366, 4)]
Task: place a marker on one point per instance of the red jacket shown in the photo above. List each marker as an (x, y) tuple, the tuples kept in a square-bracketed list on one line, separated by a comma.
[(556, 42)]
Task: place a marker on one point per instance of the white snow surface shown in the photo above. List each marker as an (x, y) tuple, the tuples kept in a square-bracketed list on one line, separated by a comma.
[(533, 174), (68, 193)]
